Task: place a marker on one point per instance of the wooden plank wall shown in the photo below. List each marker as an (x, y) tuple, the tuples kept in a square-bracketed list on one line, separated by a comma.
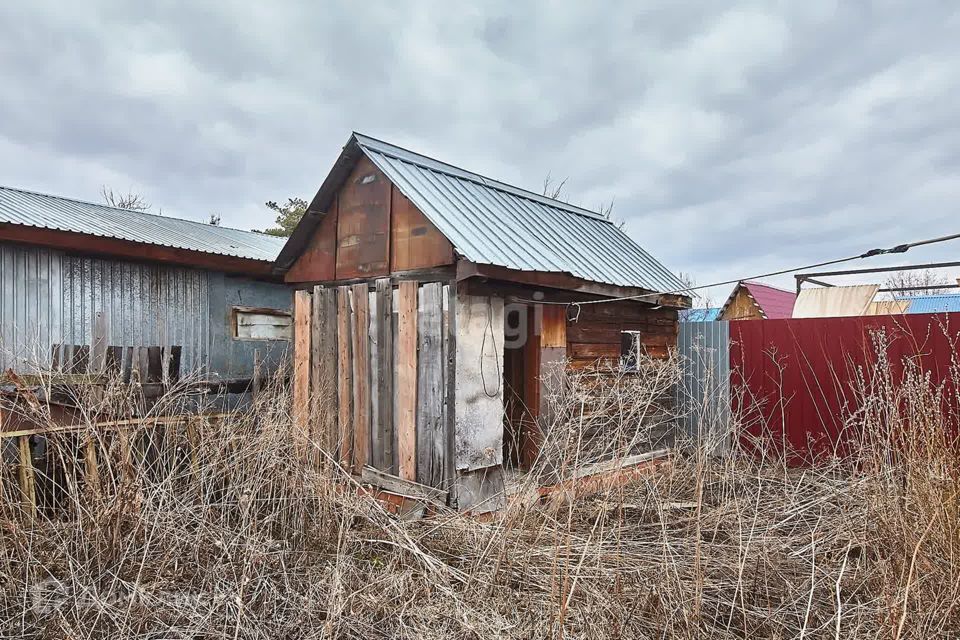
[(378, 367), (596, 333), (370, 230)]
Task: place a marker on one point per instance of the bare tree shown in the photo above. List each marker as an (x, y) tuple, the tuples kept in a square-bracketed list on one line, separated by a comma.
[(916, 283), (552, 189), (701, 299), (131, 201)]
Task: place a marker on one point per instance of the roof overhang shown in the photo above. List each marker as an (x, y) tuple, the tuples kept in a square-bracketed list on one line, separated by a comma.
[(319, 206), (73, 242), (467, 270)]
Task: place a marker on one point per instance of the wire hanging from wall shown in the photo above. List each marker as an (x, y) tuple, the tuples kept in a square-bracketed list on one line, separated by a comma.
[(496, 354)]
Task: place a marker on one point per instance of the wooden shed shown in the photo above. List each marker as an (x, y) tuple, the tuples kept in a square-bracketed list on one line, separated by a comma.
[(423, 322)]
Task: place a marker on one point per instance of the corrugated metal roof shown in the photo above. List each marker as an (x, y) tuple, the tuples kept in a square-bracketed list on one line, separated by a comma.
[(490, 222), (64, 214), (710, 314), (934, 304)]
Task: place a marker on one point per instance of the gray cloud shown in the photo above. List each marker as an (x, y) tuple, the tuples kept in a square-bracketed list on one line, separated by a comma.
[(733, 139)]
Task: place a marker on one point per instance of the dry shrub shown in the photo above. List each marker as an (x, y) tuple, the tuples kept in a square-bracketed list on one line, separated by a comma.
[(249, 539)]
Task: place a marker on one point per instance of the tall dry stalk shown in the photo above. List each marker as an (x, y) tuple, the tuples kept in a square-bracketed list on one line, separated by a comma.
[(238, 535)]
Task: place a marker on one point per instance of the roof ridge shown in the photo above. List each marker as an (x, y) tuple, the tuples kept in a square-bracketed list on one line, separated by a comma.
[(768, 286), (479, 178), (129, 211)]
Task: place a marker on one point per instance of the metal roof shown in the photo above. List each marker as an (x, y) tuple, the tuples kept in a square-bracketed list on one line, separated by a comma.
[(64, 214), (489, 222), (933, 304), (774, 303), (709, 314)]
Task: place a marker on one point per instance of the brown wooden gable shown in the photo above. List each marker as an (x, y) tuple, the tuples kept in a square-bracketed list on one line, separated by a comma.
[(371, 230)]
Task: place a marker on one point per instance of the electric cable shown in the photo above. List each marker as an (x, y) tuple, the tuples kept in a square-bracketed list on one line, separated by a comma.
[(900, 248)]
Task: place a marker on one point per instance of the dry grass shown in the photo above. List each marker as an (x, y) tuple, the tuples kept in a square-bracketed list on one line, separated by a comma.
[(249, 541)]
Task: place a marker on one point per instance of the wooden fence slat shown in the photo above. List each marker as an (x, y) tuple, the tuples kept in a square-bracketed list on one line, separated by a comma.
[(430, 445), (407, 380), (385, 373), (173, 363), (128, 364), (154, 365), (361, 377), (449, 384), (375, 456), (345, 377), (142, 364), (112, 360), (301, 369), (324, 384), (79, 358)]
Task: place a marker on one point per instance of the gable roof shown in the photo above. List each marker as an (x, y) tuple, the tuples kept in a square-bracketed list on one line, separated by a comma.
[(491, 222), (43, 211), (774, 303)]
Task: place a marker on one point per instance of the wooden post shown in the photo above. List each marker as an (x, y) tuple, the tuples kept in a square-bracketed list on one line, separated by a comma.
[(324, 374), (345, 377), (385, 374), (27, 478), (407, 381), (301, 369), (361, 377)]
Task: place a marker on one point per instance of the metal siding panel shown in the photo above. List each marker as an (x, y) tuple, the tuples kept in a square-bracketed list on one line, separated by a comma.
[(703, 395), (49, 297)]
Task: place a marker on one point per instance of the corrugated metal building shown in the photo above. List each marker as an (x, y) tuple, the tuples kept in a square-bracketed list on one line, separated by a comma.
[(157, 281), (509, 263)]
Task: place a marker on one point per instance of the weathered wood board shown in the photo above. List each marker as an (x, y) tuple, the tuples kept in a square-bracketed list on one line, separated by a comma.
[(479, 382)]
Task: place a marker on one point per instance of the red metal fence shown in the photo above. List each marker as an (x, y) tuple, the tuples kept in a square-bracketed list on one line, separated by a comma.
[(795, 382)]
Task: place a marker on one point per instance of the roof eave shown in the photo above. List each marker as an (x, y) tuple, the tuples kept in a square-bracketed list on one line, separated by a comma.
[(82, 243), (568, 282), (318, 206)]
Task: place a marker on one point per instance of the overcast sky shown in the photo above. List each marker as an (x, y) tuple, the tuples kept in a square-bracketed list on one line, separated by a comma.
[(733, 140)]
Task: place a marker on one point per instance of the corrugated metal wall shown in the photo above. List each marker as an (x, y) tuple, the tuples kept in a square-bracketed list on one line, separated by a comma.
[(48, 297), (703, 396)]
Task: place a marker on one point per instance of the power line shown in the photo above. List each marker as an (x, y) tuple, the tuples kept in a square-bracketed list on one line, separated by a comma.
[(900, 248)]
